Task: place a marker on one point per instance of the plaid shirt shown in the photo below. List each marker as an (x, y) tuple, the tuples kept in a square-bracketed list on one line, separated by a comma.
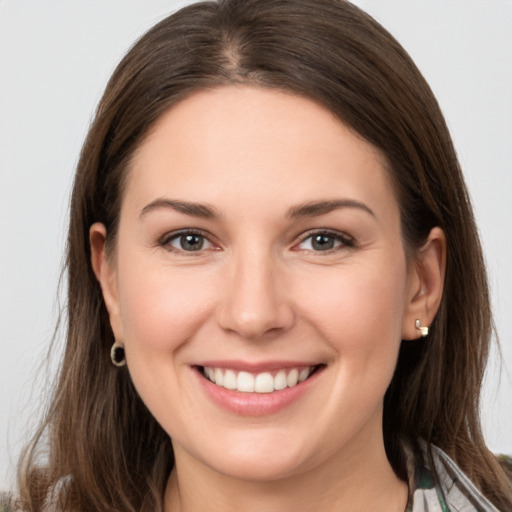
[(436, 484)]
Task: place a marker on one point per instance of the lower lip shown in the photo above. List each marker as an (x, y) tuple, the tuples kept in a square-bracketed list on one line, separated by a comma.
[(256, 404)]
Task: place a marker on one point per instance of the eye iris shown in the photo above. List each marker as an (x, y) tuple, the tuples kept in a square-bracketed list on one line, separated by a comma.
[(322, 242), (191, 242)]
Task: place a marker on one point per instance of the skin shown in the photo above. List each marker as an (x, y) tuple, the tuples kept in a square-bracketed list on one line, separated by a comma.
[(259, 291)]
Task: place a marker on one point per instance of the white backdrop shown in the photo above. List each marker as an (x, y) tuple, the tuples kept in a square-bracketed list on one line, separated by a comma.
[(55, 59)]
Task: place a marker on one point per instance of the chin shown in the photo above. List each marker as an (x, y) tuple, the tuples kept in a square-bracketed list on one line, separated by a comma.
[(258, 457), (260, 467)]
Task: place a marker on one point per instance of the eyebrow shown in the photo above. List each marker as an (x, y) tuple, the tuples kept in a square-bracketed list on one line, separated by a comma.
[(203, 211), (317, 208)]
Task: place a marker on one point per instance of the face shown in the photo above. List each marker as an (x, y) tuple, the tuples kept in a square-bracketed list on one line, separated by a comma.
[(259, 282)]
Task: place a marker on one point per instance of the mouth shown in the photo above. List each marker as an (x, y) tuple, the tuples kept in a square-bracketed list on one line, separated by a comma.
[(265, 382)]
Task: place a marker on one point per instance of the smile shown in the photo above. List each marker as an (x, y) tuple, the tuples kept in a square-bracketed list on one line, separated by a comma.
[(263, 382)]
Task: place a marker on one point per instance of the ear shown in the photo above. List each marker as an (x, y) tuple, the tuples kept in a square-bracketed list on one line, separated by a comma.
[(105, 272), (425, 284)]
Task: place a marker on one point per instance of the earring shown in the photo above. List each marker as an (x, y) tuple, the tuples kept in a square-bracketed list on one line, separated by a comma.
[(423, 330), (117, 354)]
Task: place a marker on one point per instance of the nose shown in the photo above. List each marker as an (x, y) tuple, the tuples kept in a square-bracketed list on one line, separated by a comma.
[(255, 304)]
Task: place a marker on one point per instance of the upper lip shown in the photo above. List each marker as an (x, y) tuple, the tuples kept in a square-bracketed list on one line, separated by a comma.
[(256, 367)]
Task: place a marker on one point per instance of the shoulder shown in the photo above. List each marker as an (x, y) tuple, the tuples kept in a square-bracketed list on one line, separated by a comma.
[(6, 503), (437, 484), (506, 462), (457, 488)]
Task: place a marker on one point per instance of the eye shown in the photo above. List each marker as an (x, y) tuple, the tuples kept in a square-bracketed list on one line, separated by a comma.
[(186, 241), (324, 242)]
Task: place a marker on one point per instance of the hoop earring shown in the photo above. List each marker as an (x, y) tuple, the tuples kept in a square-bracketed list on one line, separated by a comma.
[(117, 354), (423, 330)]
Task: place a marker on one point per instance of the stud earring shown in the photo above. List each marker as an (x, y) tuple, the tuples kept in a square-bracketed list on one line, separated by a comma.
[(117, 354), (423, 330)]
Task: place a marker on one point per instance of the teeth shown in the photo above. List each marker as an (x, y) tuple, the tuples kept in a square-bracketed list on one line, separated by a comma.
[(303, 375), (280, 381), (219, 377), (230, 380), (292, 378), (264, 382), (245, 382)]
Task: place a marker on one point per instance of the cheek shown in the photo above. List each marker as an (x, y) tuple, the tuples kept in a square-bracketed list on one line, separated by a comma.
[(161, 307), (358, 308), (361, 320)]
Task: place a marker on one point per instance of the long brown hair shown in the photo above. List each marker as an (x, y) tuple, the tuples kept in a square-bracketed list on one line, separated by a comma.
[(105, 450)]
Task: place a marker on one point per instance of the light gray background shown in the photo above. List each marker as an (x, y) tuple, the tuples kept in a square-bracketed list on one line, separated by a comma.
[(55, 59)]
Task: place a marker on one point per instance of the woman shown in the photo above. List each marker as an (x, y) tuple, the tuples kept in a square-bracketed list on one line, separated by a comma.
[(267, 306)]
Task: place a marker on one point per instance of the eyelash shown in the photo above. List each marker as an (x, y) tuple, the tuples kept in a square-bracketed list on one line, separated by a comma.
[(344, 240), (166, 240)]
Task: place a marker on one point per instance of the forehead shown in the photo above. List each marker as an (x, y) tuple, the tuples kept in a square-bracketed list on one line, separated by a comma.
[(256, 146)]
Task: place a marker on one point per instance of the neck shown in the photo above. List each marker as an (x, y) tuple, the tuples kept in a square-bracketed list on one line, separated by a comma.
[(356, 480)]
